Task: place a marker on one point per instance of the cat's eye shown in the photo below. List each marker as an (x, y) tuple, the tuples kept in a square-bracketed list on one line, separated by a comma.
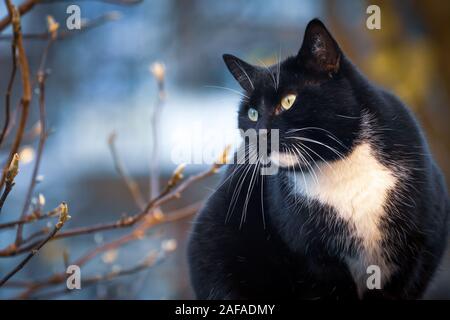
[(253, 114), (288, 101)]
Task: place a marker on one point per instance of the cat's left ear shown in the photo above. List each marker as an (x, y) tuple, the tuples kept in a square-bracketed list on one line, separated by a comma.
[(242, 71), (319, 53)]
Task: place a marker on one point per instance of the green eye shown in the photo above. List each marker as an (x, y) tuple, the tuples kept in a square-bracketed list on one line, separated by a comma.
[(253, 114)]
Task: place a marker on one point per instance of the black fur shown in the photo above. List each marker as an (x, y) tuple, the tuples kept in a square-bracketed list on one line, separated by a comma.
[(285, 249)]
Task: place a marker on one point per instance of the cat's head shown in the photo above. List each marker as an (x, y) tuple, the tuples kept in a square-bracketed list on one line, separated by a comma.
[(307, 97)]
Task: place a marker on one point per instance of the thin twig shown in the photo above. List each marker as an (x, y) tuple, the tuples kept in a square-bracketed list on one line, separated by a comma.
[(26, 6), (11, 174), (26, 85), (65, 34), (18, 284), (6, 191), (36, 234), (64, 216), (22, 9), (29, 136), (9, 92), (34, 216), (132, 186), (158, 71), (42, 137)]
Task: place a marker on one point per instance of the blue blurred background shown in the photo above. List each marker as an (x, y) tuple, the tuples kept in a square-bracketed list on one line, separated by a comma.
[(100, 82)]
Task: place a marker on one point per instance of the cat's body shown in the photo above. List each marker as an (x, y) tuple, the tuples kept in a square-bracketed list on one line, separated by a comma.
[(362, 191)]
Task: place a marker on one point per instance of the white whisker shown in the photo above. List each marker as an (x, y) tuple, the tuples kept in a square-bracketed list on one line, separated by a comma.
[(242, 69), (270, 73), (229, 89)]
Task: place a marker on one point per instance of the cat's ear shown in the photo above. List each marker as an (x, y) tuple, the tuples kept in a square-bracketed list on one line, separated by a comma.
[(319, 52), (243, 72)]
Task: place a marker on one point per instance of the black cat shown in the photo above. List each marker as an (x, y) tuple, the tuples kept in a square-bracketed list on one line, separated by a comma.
[(357, 192)]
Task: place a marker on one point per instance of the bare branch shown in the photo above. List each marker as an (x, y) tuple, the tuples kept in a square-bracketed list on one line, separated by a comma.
[(152, 260), (144, 220), (172, 191), (64, 216), (34, 216), (41, 77), (23, 9), (38, 233), (132, 186), (9, 92), (64, 34), (135, 234), (13, 169), (158, 71), (26, 85), (26, 6)]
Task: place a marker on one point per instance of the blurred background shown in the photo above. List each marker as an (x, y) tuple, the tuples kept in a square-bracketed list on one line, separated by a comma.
[(101, 82)]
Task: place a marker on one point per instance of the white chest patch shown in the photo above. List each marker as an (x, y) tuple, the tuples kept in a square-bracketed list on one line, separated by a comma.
[(357, 188)]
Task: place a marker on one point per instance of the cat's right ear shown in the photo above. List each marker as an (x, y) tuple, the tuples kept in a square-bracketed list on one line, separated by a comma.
[(242, 71), (319, 53)]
